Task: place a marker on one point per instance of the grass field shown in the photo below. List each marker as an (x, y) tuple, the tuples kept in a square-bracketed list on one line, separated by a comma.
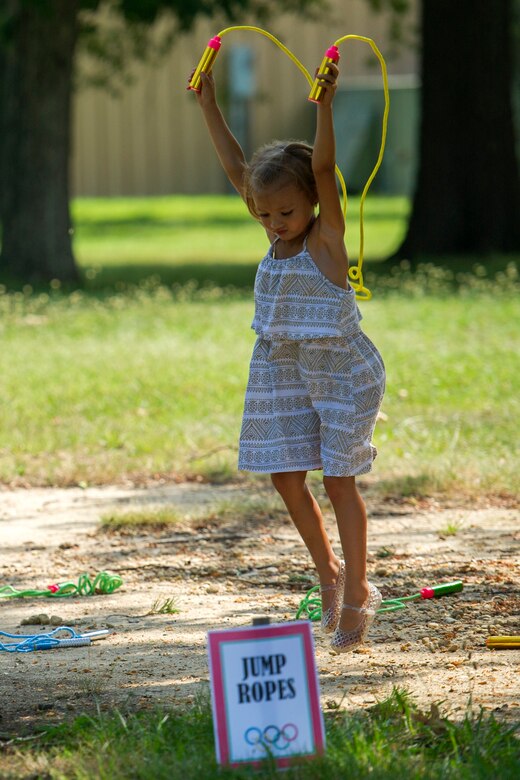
[(209, 238), (391, 741), (146, 379)]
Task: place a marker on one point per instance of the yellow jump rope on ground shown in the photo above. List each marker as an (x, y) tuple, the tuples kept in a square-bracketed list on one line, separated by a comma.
[(331, 55)]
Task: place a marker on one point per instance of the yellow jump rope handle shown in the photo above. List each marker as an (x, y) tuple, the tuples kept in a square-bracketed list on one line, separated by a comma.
[(206, 63), (503, 642), (331, 56)]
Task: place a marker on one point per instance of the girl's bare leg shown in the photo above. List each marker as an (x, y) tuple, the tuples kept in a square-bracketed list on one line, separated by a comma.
[(351, 517), (306, 516)]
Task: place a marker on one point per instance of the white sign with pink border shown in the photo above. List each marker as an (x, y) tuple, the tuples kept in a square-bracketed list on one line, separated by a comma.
[(265, 694)]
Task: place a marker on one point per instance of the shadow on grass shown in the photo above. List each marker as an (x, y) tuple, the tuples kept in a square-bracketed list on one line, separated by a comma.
[(217, 274), (445, 274), (408, 486), (487, 265), (440, 275), (97, 227)]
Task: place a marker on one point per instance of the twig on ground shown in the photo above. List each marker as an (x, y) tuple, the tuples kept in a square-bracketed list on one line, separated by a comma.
[(209, 453)]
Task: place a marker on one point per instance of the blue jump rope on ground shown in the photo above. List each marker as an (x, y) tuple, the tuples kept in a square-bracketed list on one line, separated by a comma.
[(26, 643)]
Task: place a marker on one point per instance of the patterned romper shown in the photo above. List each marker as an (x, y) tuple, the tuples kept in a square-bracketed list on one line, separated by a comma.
[(316, 381)]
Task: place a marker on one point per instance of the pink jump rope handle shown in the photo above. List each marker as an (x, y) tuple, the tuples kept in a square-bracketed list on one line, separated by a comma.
[(331, 55), (206, 63)]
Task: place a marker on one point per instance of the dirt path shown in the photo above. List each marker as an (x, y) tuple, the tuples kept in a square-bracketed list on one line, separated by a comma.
[(224, 574)]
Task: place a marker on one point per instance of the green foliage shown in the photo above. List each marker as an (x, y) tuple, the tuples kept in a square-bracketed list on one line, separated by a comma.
[(399, 29), (127, 30), (186, 11), (114, 33)]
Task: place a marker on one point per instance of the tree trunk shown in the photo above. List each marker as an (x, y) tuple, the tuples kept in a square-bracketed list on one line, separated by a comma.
[(467, 197), (35, 141), (2, 126)]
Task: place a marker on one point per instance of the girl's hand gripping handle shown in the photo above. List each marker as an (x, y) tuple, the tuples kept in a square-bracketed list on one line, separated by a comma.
[(331, 55), (206, 63)]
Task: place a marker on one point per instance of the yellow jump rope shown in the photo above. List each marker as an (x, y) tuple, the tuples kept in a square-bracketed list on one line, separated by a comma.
[(331, 55)]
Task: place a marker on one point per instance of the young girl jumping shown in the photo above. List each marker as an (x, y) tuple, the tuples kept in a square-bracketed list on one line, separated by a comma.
[(316, 381)]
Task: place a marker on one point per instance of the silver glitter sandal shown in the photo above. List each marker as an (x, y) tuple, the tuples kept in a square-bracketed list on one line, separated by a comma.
[(330, 616), (345, 641)]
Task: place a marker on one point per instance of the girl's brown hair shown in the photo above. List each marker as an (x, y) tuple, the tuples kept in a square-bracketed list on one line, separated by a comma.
[(280, 163)]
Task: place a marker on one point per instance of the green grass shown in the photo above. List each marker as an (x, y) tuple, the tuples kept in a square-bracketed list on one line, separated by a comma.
[(264, 506), (146, 380), (164, 607), (148, 384), (152, 517), (393, 739), (92, 390), (451, 528)]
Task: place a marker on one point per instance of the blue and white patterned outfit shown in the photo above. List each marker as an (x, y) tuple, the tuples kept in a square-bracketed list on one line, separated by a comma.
[(316, 381)]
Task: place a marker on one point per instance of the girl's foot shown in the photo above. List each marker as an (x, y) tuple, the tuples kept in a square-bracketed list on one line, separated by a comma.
[(331, 599), (354, 622), (356, 597)]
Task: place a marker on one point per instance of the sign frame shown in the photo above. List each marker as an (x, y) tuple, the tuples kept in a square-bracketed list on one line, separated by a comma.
[(219, 642)]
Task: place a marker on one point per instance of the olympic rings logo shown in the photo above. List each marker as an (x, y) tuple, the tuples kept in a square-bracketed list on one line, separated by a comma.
[(272, 736)]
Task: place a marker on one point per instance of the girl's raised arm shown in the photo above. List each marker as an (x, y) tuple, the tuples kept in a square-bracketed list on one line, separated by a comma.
[(226, 145), (332, 224)]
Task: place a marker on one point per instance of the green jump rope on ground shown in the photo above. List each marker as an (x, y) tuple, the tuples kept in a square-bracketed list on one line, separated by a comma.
[(103, 583), (310, 606)]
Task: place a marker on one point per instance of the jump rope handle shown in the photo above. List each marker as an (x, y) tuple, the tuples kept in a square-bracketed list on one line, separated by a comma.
[(441, 590), (331, 55), (206, 63)]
